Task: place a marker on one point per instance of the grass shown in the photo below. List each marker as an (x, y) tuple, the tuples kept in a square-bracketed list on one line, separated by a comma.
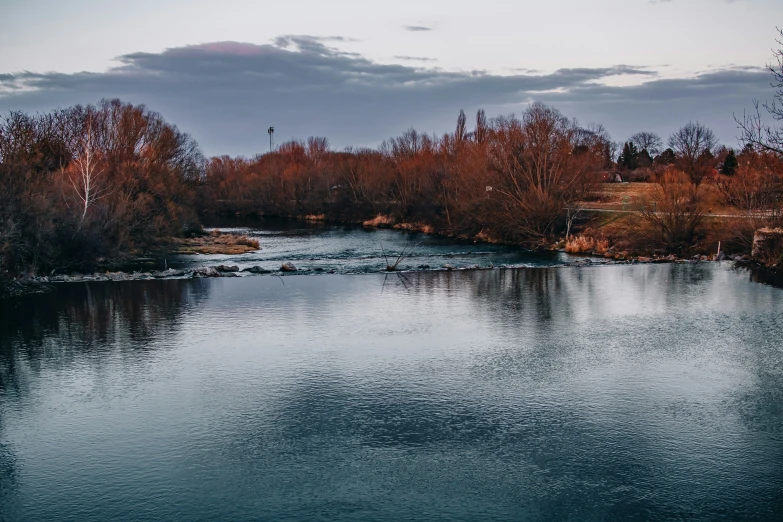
[(631, 196), (583, 244), (217, 243)]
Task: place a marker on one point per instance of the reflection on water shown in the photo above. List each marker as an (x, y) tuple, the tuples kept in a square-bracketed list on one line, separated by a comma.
[(766, 276), (638, 392)]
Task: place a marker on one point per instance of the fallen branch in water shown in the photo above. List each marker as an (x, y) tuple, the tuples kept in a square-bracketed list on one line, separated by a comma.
[(405, 253)]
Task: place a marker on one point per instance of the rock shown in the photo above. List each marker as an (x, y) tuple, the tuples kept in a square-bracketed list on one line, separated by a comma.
[(288, 267), (230, 274), (643, 259), (721, 255), (423, 267), (768, 246), (168, 273), (448, 267), (225, 268), (206, 271), (257, 270)]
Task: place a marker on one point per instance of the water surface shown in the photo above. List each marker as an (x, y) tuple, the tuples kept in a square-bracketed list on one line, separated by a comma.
[(650, 392), (315, 247)]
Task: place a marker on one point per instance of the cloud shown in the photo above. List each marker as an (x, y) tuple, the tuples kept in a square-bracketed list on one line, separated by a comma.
[(417, 28), (226, 94), (416, 58)]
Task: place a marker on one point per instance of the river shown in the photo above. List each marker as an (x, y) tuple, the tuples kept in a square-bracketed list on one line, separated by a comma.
[(635, 392), (315, 247)]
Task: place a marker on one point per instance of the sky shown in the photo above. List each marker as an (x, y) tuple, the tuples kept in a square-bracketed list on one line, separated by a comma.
[(359, 72)]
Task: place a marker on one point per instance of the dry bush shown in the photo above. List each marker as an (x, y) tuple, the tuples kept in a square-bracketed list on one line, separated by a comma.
[(582, 244), (672, 218), (755, 192), (379, 221)]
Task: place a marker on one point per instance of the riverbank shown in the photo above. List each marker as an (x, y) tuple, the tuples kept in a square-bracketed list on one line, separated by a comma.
[(231, 248)]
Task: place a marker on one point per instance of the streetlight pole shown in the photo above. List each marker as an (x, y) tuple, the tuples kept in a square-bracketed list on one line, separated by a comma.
[(271, 131)]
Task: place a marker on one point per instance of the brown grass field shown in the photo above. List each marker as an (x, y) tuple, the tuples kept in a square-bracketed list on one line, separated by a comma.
[(631, 196)]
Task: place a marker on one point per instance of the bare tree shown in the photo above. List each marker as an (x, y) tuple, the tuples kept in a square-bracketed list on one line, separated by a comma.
[(647, 141), (753, 130), (674, 216), (693, 144), (538, 174), (84, 173)]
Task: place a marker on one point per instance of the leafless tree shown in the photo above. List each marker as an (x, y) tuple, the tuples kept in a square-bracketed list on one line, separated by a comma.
[(85, 172), (647, 141), (674, 216), (753, 130), (538, 173), (692, 144)]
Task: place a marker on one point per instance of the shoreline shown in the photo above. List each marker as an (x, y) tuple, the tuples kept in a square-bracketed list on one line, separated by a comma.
[(217, 241)]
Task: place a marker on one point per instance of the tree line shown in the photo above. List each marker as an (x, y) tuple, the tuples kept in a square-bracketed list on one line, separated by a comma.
[(97, 184), (509, 177)]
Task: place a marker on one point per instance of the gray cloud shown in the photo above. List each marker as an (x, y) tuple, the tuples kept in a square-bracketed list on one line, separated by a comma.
[(227, 93), (417, 28)]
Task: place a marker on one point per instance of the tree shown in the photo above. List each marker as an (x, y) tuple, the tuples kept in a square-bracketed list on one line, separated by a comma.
[(648, 141), (666, 157), (753, 130), (730, 164), (594, 139), (643, 159), (675, 215), (692, 144), (87, 168), (461, 132), (537, 175), (628, 157), (482, 128)]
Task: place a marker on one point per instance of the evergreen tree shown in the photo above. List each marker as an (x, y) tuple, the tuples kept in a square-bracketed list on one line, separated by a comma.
[(666, 157), (730, 164), (628, 157), (643, 159)]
